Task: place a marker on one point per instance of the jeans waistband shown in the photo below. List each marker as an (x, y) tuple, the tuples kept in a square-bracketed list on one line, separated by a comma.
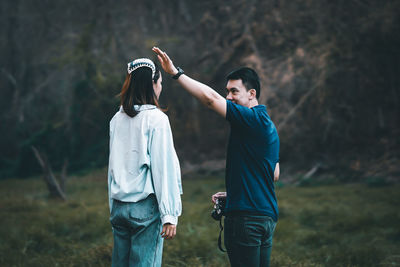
[(125, 202)]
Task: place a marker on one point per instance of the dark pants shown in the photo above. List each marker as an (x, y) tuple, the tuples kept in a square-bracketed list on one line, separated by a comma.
[(248, 239)]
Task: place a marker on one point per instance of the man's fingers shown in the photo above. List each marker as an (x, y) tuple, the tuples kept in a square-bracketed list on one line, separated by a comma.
[(214, 197), (167, 57), (217, 195), (157, 50), (166, 62), (163, 58), (160, 54)]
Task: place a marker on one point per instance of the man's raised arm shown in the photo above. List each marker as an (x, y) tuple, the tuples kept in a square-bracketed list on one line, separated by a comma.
[(208, 96)]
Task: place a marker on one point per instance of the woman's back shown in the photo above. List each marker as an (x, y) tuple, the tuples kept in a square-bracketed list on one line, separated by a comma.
[(136, 144)]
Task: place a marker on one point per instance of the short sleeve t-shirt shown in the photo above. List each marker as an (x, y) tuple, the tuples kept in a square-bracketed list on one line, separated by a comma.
[(253, 151)]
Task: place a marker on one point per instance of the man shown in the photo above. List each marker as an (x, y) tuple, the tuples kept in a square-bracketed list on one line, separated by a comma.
[(252, 162)]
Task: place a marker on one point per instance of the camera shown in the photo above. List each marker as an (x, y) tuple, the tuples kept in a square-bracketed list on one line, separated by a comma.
[(219, 208)]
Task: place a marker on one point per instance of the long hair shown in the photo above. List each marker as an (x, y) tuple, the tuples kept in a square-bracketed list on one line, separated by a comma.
[(138, 90)]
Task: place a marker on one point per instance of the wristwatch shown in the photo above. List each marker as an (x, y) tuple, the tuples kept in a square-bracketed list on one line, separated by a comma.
[(180, 72)]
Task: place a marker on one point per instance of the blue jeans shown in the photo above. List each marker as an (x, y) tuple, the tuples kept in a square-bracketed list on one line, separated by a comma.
[(248, 239), (136, 230)]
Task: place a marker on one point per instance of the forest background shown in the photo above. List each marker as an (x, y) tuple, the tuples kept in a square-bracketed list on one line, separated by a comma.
[(330, 78), (329, 74)]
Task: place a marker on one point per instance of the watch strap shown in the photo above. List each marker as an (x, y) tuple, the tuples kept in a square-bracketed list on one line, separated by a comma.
[(180, 72)]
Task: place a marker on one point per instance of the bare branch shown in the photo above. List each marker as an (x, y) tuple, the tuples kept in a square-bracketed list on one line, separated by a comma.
[(63, 177), (52, 184), (295, 108), (10, 77)]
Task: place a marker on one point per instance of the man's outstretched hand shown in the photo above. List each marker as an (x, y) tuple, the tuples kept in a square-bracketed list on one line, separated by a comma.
[(165, 61)]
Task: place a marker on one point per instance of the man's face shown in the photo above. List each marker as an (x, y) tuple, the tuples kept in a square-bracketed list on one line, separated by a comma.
[(237, 93)]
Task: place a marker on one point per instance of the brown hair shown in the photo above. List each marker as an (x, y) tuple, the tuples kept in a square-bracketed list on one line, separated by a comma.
[(138, 90)]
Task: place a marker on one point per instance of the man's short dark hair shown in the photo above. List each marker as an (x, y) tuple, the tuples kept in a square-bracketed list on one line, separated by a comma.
[(249, 78)]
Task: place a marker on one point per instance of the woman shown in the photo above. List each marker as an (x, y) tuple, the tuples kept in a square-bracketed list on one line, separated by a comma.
[(144, 180)]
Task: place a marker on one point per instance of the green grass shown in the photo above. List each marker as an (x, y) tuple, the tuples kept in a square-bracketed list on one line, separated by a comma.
[(337, 225)]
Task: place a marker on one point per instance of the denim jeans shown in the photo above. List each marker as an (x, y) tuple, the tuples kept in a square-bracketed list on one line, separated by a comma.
[(248, 239), (136, 230)]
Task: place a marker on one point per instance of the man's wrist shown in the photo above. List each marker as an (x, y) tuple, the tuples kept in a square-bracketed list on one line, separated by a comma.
[(175, 72), (178, 73)]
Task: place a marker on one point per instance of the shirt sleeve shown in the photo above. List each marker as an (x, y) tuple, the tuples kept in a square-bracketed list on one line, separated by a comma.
[(165, 172), (110, 201), (240, 116)]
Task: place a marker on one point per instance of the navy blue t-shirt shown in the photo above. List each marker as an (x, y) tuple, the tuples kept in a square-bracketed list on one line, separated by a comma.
[(253, 151)]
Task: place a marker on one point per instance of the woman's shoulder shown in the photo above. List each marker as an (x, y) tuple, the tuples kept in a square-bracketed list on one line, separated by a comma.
[(158, 116), (116, 115)]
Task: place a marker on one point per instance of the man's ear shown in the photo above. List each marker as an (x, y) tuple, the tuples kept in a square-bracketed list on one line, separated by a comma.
[(253, 93)]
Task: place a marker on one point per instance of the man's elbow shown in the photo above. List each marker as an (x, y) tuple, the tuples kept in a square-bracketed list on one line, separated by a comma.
[(215, 102), (209, 101)]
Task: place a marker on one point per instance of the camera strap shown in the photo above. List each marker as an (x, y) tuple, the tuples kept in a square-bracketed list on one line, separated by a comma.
[(220, 233)]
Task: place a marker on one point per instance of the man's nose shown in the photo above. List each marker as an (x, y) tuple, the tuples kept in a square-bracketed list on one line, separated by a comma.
[(229, 96)]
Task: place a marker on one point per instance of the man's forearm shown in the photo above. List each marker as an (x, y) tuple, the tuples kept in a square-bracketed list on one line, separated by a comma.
[(202, 92), (205, 94)]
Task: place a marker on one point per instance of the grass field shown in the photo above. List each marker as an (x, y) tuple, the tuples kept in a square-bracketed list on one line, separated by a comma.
[(337, 225)]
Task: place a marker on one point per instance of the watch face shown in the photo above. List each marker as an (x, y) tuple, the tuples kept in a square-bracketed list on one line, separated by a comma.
[(180, 72)]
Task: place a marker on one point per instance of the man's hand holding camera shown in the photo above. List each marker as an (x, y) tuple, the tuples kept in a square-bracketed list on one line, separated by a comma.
[(219, 200), (218, 195)]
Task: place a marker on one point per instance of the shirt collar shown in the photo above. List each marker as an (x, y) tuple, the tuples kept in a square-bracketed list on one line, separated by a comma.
[(260, 106), (140, 107), (144, 107)]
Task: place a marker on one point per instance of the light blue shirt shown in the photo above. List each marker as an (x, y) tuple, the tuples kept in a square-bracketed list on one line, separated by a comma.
[(143, 161)]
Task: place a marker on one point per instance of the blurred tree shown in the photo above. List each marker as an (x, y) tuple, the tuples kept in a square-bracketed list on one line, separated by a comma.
[(329, 71)]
